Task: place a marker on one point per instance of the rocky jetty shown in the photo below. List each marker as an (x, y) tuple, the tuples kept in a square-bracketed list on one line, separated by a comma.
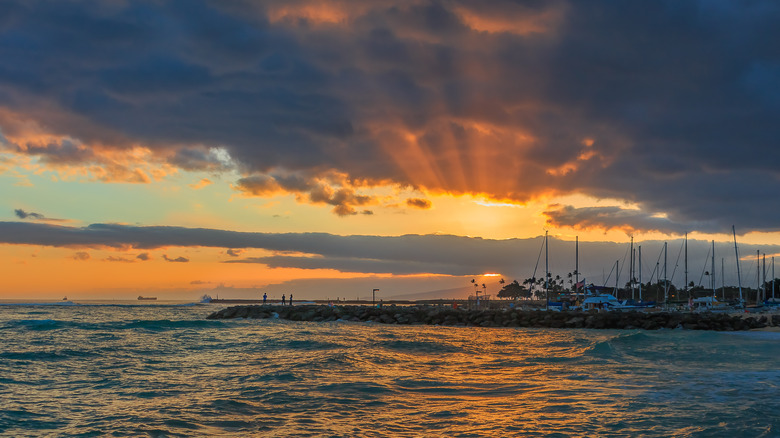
[(439, 315)]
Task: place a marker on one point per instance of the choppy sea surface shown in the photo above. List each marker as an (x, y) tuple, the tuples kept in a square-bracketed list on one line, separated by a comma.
[(164, 370)]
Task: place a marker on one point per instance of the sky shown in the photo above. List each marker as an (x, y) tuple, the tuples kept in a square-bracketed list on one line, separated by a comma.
[(175, 148)]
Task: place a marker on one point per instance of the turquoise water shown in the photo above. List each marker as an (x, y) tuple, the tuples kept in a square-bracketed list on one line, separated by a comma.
[(163, 370)]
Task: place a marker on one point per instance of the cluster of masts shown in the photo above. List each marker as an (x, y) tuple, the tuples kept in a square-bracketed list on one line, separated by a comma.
[(635, 284)]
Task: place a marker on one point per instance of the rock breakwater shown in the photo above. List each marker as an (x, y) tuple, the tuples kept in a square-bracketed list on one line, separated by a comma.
[(435, 315)]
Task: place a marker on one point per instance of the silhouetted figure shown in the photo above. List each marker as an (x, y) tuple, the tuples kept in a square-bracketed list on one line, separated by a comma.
[(291, 299), (265, 297), (282, 299)]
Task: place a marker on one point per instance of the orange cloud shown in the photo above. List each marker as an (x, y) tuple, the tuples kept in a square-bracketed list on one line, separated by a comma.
[(510, 18), (201, 184), (313, 12), (40, 149), (334, 189)]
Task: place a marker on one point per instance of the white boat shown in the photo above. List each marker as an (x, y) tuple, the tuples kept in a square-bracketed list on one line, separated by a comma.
[(603, 301), (710, 304), (598, 297)]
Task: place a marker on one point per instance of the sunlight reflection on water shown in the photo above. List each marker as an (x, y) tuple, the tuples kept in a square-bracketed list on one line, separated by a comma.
[(163, 370)]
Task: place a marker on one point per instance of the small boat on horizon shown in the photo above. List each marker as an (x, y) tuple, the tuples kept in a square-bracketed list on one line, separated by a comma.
[(140, 298)]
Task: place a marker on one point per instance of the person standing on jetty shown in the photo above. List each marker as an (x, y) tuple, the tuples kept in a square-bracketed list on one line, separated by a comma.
[(282, 299), (265, 297), (290, 299)]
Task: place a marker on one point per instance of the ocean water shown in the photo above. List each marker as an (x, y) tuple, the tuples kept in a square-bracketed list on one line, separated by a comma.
[(164, 370)]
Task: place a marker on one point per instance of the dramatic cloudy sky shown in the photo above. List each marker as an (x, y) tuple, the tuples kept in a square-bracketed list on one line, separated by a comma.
[(182, 146)]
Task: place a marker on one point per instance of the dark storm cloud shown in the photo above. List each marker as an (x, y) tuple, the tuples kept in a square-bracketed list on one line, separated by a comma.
[(373, 266), (670, 105), (405, 254), (118, 259), (176, 260), (408, 254), (66, 152), (198, 159), (81, 256), (423, 204), (21, 214), (608, 218)]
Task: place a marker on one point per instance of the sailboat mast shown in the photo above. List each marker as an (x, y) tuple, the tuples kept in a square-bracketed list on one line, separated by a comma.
[(712, 269), (666, 283), (722, 279), (576, 263), (773, 277), (546, 272), (758, 274), (736, 252), (631, 268), (686, 265), (640, 272), (617, 279)]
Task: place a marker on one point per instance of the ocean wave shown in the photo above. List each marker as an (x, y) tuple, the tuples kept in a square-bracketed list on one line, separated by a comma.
[(356, 387), (756, 335), (418, 347), (167, 324), (37, 324), (600, 350), (34, 304), (46, 356)]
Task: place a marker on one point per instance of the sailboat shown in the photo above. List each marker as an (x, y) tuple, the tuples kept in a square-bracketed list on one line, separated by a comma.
[(599, 297)]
